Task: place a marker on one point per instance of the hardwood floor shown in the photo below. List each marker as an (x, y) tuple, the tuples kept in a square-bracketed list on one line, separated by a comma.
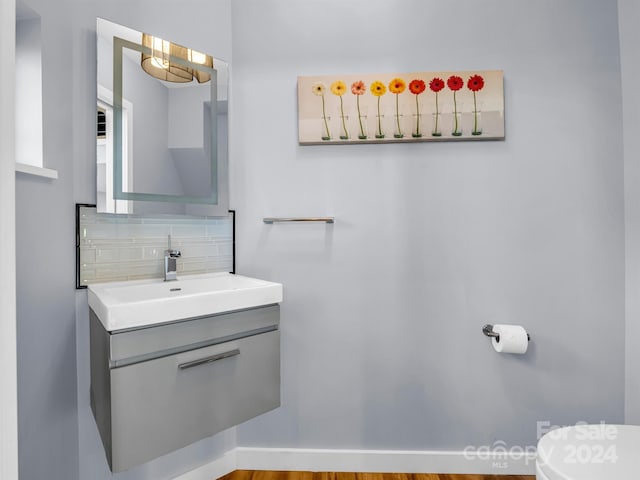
[(271, 475)]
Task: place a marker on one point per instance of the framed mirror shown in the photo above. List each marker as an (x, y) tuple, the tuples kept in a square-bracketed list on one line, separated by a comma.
[(162, 124)]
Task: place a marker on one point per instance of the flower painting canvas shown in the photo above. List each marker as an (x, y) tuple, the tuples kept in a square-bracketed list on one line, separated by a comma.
[(401, 107)]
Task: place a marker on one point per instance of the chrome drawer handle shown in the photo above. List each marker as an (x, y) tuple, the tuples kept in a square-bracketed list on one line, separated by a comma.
[(211, 359)]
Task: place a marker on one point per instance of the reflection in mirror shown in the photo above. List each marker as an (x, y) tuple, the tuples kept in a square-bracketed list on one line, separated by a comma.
[(163, 145)]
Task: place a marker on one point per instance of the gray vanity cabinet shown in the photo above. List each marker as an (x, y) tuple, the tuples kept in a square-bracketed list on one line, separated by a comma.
[(157, 389)]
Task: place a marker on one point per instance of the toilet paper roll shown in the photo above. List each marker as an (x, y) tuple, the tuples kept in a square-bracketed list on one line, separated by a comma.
[(513, 339)]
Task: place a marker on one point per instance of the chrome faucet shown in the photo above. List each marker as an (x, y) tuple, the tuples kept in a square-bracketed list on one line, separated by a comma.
[(171, 256)]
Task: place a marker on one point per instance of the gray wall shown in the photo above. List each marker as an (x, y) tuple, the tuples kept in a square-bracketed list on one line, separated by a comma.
[(629, 17), (381, 323), (57, 435), (46, 341)]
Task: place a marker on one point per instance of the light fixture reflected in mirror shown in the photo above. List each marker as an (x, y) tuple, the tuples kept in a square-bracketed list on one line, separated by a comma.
[(164, 61)]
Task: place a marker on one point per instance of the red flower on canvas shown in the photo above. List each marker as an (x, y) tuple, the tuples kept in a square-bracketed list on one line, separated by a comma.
[(417, 86), (475, 83), (436, 84), (455, 83)]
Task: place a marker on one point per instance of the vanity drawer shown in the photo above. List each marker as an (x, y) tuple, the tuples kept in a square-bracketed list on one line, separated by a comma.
[(143, 344), (167, 403)]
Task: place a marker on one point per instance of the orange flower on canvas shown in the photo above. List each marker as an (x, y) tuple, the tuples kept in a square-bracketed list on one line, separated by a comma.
[(417, 87), (397, 86)]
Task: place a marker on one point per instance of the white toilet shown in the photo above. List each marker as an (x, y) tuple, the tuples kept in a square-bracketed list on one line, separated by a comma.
[(590, 452)]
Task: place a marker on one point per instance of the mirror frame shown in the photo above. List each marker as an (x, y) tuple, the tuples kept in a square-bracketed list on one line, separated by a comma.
[(215, 204)]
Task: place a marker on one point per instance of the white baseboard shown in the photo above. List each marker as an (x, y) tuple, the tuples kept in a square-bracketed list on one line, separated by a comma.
[(383, 461), (398, 461)]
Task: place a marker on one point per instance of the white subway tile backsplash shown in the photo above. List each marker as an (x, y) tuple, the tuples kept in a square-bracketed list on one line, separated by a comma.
[(179, 231), (87, 255), (152, 253), (128, 247)]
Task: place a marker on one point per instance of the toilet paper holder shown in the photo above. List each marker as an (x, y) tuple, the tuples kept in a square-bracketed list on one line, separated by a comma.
[(488, 331)]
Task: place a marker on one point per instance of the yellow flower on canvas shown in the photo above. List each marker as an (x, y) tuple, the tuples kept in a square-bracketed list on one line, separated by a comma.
[(338, 88), (378, 89)]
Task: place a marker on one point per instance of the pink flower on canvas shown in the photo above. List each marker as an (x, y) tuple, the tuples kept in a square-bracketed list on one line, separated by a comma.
[(359, 88)]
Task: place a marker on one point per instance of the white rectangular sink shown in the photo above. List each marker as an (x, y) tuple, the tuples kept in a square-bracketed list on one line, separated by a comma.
[(140, 303)]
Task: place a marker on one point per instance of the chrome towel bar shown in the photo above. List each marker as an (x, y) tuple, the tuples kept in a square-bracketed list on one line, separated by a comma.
[(271, 220)]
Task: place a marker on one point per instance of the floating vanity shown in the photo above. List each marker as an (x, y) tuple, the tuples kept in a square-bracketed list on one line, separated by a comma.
[(175, 362)]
